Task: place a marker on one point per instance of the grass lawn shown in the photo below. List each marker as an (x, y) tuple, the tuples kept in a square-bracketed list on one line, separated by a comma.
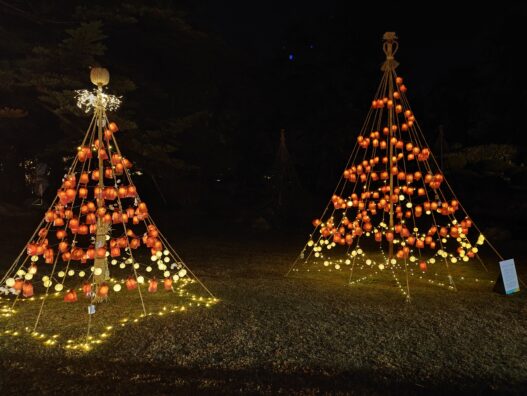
[(304, 334)]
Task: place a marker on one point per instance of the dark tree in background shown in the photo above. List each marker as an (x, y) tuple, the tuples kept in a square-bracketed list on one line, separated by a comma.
[(208, 85), (169, 74)]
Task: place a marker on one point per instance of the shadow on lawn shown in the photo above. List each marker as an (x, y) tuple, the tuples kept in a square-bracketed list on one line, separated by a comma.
[(88, 375)]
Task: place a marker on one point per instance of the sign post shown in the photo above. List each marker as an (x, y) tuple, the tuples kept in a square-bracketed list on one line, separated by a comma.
[(507, 282)]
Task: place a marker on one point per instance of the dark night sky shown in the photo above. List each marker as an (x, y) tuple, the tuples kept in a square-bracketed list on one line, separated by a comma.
[(434, 38)]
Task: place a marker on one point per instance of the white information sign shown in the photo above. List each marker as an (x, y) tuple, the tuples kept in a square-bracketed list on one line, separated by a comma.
[(509, 276)]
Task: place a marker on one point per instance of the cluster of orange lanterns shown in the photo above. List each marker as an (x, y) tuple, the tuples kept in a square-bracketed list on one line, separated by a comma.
[(346, 232), (24, 287), (103, 289), (375, 199), (76, 214)]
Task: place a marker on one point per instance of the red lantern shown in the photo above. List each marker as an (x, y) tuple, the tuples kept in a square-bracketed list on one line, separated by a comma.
[(119, 169), (27, 289), (112, 126), (115, 252), (131, 191), (48, 256), (131, 283), (107, 134), (70, 296), (122, 192), (83, 192), (18, 284), (152, 288), (86, 289), (168, 284), (108, 173), (102, 290), (422, 266), (84, 178), (135, 243), (63, 247), (100, 252), (91, 218), (32, 249)]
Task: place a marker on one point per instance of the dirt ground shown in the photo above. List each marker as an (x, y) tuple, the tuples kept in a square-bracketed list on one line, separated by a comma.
[(305, 334)]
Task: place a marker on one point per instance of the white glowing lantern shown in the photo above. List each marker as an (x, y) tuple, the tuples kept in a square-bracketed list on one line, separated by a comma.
[(175, 278), (81, 274), (381, 266), (33, 269), (122, 265), (182, 272), (97, 271), (10, 282), (166, 259), (337, 266), (159, 254), (28, 276), (153, 258), (348, 261), (114, 261), (148, 269), (71, 272), (61, 274), (166, 274), (166, 252), (58, 287), (117, 287), (21, 272), (47, 283), (140, 279), (136, 266), (368, 262), (326, 263)]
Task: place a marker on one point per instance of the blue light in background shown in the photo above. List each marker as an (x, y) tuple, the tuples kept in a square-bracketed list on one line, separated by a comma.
[(291, 57)]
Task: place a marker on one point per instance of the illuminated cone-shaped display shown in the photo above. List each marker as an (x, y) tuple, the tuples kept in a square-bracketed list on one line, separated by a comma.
[(393, 195), (98, 234)]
